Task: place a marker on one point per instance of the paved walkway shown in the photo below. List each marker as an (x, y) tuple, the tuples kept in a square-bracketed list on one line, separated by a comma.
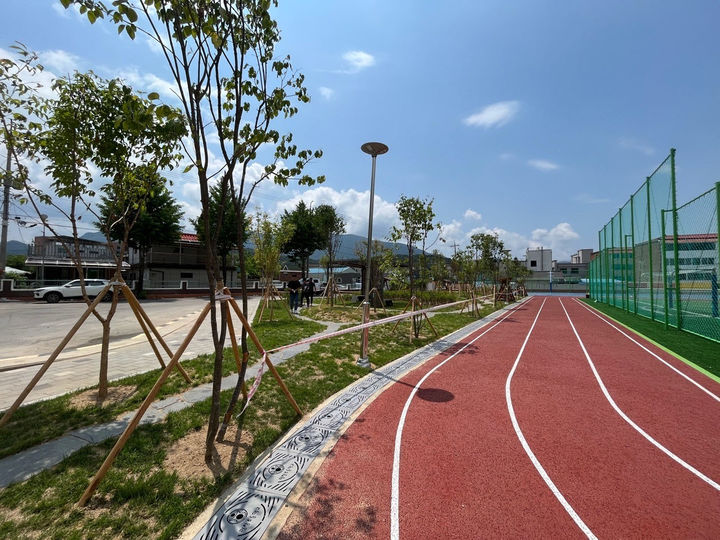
[(23, 465), (78, 368)]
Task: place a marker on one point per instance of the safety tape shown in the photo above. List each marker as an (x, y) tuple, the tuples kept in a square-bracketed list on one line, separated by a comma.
[(256, 383)]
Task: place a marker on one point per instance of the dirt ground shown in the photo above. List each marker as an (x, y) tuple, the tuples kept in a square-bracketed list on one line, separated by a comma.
[(187, 456), (89, 398)]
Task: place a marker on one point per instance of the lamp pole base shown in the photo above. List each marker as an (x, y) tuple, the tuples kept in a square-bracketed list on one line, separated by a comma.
[(363, 362)]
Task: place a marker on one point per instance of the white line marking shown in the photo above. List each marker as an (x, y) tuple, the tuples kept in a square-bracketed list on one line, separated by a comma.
[(536, 463), (625, 417), (676, 370), (395, 489)]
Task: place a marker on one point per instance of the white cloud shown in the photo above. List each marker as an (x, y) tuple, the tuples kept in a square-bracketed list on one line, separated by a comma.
[(60, 61), (630, 143), (326, 92), (74, 9), (517, 243), (494, 115), (357, 61), (149, 82), (543, 165), (561, 239), (472, 214), (347, 202), (586, 198)]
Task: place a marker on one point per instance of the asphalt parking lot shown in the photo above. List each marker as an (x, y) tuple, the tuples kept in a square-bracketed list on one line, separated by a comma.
[(29, 333), (35, 328)]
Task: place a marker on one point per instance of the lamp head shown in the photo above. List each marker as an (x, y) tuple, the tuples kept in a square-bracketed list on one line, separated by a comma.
[(374, 148)]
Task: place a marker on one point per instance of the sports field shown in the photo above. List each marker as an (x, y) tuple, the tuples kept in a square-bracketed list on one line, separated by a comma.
[(550, 421)]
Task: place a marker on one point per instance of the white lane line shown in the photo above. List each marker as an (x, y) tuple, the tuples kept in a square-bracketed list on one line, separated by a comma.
[(625, 417), (676, 370), (395, 489), (536, 463)]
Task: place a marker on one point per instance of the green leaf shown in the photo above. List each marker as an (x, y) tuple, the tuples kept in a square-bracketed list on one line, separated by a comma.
[(188, 168), (153, 95)]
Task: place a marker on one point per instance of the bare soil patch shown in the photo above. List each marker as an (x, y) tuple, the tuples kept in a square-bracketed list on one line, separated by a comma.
[(89, 398), (187, 456)]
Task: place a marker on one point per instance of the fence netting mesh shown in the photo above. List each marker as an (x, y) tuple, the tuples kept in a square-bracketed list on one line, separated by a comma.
[(660, 260)]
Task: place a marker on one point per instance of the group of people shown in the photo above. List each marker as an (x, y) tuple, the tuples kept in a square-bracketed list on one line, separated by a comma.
[(300, 291)]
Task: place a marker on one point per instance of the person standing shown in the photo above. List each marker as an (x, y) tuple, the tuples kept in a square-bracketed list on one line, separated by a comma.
[(294, 286), (309, 291)]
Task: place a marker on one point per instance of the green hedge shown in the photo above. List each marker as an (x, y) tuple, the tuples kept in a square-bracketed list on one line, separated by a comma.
[(428, 298)]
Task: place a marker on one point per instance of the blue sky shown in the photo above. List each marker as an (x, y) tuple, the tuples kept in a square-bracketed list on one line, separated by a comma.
[(534, 119)]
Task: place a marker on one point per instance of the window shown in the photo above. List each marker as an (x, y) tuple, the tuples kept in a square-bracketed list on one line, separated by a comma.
[(533, 264), (186, 275), (574, 270)]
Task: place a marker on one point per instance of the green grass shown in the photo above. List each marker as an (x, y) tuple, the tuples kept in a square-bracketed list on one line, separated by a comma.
[(59, 417), (698, 350), (139, 499)]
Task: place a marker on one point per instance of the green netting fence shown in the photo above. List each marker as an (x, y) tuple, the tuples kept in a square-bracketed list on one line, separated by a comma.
[(661, 260)]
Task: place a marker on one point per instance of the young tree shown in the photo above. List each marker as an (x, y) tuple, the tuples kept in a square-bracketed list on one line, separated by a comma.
[(127, 137), (228, 235), (331, 227), (158, 221), (269, 238), (20, 105), (416, 223), (491, 250), (307, 235), (231, 87)]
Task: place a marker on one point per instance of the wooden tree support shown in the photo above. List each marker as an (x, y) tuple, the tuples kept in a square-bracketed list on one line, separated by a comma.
[(331, 292), (413, 305), (120, 444), (143, 320), (268, 300), (377, 295)]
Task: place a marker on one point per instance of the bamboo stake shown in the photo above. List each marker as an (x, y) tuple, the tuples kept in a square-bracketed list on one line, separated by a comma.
[(143, 316), (141, 411), (284, 388), (261, 350), (14, 407), (403, 311), (236, 352), (241, 367)]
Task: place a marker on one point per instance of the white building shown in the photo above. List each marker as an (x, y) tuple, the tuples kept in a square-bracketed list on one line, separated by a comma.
[(539, 259)]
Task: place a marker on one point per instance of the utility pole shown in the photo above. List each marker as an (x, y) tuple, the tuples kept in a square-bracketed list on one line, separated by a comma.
[(5, 210), (454, 246)]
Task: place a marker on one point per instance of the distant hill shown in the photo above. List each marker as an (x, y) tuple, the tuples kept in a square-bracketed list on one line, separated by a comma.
[(16, 248), (348, 243)]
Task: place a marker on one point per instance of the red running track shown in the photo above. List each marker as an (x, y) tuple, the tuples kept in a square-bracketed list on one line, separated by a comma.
[(649, 466)]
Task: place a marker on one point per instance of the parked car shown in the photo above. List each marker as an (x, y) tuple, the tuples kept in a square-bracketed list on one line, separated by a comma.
[(71, 289)]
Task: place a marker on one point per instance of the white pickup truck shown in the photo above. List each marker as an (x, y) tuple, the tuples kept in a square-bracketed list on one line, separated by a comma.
[(71, 289)]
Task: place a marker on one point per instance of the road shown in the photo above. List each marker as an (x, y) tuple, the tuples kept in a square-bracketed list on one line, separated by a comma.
[(31, 331)]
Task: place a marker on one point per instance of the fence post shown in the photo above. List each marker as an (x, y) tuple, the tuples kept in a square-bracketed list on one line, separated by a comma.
[(632, 232), (675, 240), (623, 275), (664, 268), (716, 270), (650, 257)]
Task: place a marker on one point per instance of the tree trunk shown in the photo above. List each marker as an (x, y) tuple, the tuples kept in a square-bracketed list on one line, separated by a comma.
[(103, 382), (243, 344), (410, 269), (218, 341), (141, 271)]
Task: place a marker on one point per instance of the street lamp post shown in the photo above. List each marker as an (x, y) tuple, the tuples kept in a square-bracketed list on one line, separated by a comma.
[(374, 149)]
